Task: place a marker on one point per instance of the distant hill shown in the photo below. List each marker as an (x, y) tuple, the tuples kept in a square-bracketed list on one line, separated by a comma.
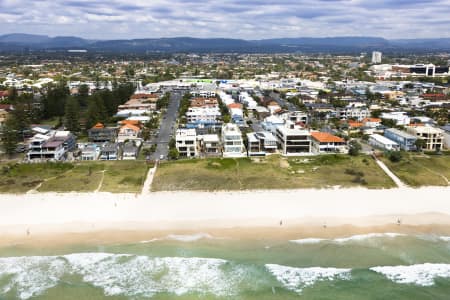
[(21, 42)]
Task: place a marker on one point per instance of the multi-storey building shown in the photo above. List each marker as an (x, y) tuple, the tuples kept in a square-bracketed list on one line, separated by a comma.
[(433, 137), (406, 141), (233, 145), (261, 143), (186, 142), (209, 145), (52, 146), (293, 140)]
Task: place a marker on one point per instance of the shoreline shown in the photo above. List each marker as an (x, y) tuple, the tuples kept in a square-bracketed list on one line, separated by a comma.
[(303, 213)]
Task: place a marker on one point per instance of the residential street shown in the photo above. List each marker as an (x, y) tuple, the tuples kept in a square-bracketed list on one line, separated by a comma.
[(167, 127)]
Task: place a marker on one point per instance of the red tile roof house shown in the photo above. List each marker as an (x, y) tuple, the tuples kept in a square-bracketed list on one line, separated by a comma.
[(323, 142), (371, 122), (129, 132)]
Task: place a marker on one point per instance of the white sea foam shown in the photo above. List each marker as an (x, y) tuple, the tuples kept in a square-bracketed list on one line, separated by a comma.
[(181, 238), (31, 276), (353, 238), (362, 237), (421, 274), (445, 238), (189, 238), (308, 241), (296, 279), (122, 274)]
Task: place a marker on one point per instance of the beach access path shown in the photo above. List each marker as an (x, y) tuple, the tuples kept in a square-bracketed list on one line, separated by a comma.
[(146, 188), (388, 172)]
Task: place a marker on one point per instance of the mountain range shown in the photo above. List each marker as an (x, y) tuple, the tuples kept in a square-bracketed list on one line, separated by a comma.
[(29, 42)]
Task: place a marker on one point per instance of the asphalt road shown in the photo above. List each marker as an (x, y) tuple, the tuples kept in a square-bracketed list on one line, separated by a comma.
[(282, 102), (167, 127)]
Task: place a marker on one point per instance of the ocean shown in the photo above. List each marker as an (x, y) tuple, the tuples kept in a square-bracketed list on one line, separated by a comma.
[(200, 266)]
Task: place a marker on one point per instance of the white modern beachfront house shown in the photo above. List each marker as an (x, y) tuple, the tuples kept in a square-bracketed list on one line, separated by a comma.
[(233, 145)]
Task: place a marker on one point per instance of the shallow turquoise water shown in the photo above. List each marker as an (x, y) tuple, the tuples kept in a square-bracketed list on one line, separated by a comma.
[(361, 267)]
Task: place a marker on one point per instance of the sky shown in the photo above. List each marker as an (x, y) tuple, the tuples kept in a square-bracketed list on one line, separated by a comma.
[(246, 19)]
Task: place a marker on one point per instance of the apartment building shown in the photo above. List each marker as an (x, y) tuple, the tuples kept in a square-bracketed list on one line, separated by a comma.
[(406, 141), (51, 146), (203, 110), (433, 137), (186, 142), (293, 140), (233, 145)]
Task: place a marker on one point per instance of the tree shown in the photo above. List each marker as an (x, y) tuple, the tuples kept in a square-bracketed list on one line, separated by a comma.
[(420, 144), (96, 111), (55, 101), (354, 147), (173, 153), (394, 156), (83, 94), (9, 137), (71, 117), (172, 143)]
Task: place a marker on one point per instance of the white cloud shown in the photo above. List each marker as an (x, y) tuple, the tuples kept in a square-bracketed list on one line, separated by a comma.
[(250, 19)]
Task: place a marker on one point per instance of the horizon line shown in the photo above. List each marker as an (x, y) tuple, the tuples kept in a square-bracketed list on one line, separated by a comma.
[(223, 38)]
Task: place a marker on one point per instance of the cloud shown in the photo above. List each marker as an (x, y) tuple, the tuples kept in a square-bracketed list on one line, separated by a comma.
[(249, 19)]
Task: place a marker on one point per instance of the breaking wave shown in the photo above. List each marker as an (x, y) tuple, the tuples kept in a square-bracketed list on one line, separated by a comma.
[(353, 238), (121, 274), (420, 274), (296, 279)]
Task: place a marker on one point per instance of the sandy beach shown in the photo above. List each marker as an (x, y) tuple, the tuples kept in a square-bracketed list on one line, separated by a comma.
[(252, 213)]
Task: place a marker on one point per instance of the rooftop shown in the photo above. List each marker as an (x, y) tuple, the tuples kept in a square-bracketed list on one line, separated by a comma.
[(325, 137)]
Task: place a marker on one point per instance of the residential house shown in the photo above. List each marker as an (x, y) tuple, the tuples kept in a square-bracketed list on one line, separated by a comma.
[(273, 107), (236, 112), (433, 137), (109, 151), (129, 132), (406, 141), (209, 145), (233, 145), (400, 118), (371, 122), (382, 142), (293, 140), (261, 143), (90, 152), (101, 134), (324, 142), (353, 112), (295, 116), (186, 142), (130, 151)]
